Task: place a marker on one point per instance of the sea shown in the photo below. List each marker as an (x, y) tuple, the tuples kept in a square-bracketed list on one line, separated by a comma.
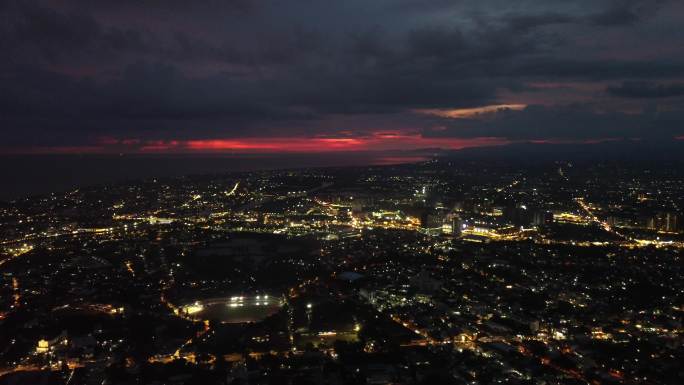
[(29, 175)]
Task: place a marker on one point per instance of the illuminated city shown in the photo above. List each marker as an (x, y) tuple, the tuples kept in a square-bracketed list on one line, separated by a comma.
[(377, 273)]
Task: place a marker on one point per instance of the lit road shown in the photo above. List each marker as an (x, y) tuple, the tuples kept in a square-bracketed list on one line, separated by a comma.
[(232, 192)]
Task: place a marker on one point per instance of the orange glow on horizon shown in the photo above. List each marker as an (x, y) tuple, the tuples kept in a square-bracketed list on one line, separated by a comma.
[(381, 141), (273, 144), (463, 113), (378, 141)]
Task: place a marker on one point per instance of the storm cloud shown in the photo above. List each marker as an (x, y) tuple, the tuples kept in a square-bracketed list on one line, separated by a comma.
[(75, 73)]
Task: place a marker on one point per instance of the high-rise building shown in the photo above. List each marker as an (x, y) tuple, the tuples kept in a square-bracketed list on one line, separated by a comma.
[(665, 221), (542, 218), (457, 226)]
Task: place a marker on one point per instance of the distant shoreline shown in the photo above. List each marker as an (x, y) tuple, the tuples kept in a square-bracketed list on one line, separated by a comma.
[(29, 175)]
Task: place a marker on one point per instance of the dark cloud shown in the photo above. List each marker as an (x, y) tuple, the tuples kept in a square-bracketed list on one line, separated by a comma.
[(575, 122), (645, 90), (615, 17), (30, 33), (526, 23), (595, 70), (232, 68), (626, 12), (143, 97)]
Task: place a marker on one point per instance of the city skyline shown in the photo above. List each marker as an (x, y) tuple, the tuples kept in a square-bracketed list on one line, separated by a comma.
[(446, 271)]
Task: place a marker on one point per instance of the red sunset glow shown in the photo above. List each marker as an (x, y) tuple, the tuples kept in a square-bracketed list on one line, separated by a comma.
[(381, 141)]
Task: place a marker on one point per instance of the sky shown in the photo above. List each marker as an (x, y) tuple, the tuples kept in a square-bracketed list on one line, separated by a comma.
[(251, 76)]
